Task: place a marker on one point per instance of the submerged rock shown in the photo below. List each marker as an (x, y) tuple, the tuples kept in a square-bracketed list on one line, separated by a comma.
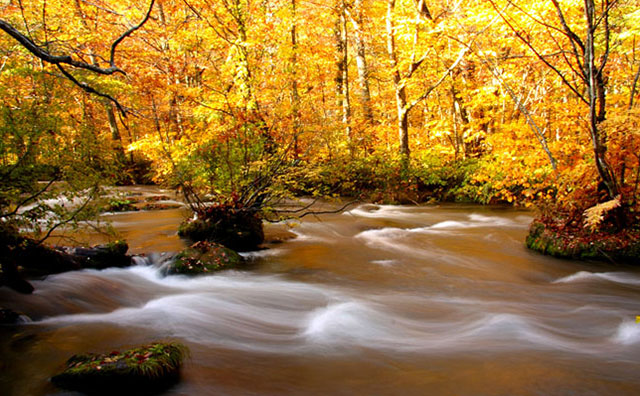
[(143, 370), (160, 206), (204, 257)]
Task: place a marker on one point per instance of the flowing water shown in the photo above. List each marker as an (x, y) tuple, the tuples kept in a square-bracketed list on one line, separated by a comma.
[(379, 300)]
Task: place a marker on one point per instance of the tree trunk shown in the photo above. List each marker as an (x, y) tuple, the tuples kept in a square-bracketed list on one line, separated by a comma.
[(399, 86), (115, 131), (342, 73), (295, 95), (339, 55), (597, 98), (633, 88), (346, 104), (361, 62)]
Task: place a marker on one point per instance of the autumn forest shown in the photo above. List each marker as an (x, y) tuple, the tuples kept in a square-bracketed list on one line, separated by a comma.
[(515, 102), (453, 133)]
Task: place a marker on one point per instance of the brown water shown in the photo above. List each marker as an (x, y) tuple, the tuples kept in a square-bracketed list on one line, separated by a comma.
[(381, 300)]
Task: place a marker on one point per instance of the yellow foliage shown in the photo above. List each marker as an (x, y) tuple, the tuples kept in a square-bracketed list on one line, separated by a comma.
[(595, 215)]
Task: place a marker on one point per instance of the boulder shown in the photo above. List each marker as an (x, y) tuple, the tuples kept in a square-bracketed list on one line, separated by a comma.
[(121, 205), (21, 257), (204, 257), (112, 254), (143, 370), (237, 229), (8, 317), (12, 278)]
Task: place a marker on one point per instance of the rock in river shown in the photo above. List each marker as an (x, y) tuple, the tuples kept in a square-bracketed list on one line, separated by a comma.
[(204, 257), (144, 370)]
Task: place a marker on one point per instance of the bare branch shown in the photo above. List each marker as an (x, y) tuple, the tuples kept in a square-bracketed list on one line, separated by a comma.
[(540, 56), (607, 32), (102, 8), (30, 198), (60, 60), (92, 90), (426, 93), (127, 34), (633, 88), (27, 43), (315, 213), (570, 33), (69, 219), (312, 212)]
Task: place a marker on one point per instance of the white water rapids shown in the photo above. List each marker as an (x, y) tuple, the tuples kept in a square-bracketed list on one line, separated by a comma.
[(380, 300)]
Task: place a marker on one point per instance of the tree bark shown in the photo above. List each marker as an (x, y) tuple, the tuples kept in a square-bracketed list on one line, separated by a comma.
[(399, 86), (339, 55), (361, 62), (342, 70), (596, 91), (295, 95), (634, 86)]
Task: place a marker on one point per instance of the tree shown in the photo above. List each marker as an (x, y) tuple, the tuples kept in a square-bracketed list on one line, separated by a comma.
[(403, 103), (355, 14), (585, 50), (62, 61)]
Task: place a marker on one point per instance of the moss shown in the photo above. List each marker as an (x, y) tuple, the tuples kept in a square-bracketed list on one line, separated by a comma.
[(143, 370), (204, 257), (112, 254), (120, 205), (576, 243)]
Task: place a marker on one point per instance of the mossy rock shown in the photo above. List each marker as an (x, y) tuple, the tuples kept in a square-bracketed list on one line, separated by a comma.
[(121, 205), (619, 247), (145, 370), (237, 229), (22, 257), (203, 258), (112, 254), (160, 206)]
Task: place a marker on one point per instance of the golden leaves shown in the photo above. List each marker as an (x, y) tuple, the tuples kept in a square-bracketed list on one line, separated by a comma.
[(595, 215)]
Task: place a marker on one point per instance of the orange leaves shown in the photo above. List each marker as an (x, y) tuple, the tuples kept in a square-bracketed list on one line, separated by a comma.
[(199, 73), (595, 214)]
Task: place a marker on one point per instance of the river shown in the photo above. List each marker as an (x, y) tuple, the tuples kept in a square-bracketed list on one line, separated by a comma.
[(378, 300)]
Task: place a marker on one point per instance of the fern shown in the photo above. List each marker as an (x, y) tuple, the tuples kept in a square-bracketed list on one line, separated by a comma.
[(594, 216)]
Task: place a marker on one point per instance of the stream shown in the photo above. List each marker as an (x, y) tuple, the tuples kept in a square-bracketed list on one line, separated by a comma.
[(378, 300)]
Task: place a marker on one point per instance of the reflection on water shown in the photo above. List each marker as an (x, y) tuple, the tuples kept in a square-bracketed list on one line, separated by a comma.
[(383, 300)]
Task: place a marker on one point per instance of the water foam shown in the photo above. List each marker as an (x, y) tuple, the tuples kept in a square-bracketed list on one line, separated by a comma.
[(384, 263), (383, 212), (586, 276), (628, 333), (347, 321), (262, 253)]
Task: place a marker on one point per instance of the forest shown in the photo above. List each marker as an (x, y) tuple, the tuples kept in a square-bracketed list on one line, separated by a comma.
[(498, 102), (251, 112)]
